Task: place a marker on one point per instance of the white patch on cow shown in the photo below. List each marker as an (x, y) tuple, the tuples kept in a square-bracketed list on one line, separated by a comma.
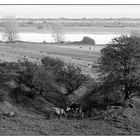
[(59, 111)]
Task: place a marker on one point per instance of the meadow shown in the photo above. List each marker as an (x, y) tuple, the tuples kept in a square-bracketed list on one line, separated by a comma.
[(31, 118), (69, 53), (95, 25)]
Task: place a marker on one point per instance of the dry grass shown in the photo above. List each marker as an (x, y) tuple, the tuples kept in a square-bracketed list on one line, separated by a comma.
[(27, 124), (68, 53), (30, 121)]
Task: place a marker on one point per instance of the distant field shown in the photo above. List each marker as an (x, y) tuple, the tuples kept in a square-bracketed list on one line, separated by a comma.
[(69, 53), (81, 29), (121, 26), (31, 118), (81, 56)]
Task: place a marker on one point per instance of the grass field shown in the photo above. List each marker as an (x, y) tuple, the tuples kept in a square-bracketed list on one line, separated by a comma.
[(28, 122), (69, 53), (83, 30), (93, 26), (32, 121)]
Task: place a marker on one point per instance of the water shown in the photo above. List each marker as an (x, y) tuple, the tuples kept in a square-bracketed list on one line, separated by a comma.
[(40, 37)]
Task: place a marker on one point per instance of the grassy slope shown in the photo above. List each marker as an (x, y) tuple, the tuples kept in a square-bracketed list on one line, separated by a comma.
[(29, 122), (34, 125), (32, 121), (68, 53)]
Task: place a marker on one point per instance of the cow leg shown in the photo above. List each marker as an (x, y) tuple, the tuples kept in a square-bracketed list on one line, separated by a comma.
[(65, 114)]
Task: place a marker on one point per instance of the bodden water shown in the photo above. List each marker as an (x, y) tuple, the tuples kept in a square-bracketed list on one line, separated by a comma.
[(40, 37)]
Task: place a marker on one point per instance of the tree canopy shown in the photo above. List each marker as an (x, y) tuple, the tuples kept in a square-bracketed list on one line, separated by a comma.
[(119, 65)]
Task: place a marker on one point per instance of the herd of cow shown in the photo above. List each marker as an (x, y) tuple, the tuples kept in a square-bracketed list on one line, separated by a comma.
[(73, 111)]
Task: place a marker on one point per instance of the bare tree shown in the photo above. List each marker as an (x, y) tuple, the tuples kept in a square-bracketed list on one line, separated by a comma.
[(57, 32), (10, 29)]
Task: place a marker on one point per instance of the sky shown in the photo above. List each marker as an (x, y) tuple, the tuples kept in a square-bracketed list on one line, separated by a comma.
[(70, 11)]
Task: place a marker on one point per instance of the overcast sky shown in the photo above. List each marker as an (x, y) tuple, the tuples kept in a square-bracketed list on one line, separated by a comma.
[(70, 11)]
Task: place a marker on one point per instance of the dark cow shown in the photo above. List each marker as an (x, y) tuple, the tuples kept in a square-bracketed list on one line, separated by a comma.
[(75, 110), (75, 107)]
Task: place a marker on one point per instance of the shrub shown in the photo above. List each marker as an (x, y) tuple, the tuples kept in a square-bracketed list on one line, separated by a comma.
[(98, 98), (10, 65), (114, 98), (87, 40), (71, 77), (35, 79), (52, 64), (49, 80), (93, 99), (21, 91), (66, 75), (44, 80), (44, 42), (25, 81), (27, 74)]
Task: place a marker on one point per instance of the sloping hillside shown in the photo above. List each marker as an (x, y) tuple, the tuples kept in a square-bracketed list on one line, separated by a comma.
[(32, 116), (29, 122)]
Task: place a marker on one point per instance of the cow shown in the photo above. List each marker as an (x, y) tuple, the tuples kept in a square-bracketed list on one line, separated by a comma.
[(75, 107), (59, 112), (75, 110)]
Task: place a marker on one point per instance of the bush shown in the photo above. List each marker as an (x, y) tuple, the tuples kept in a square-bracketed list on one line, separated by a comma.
[(71, 77), (34, 79), (52, 76), (114, 98), (21, 91), (44, 80), (44, 42), (27, 74), (66, 75), (93, 93), (52, 64), (10, 65), (98, 98), (25, 81), (87, 40)]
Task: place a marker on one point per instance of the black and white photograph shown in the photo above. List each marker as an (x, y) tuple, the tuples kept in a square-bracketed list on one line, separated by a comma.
[(69, 70)]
